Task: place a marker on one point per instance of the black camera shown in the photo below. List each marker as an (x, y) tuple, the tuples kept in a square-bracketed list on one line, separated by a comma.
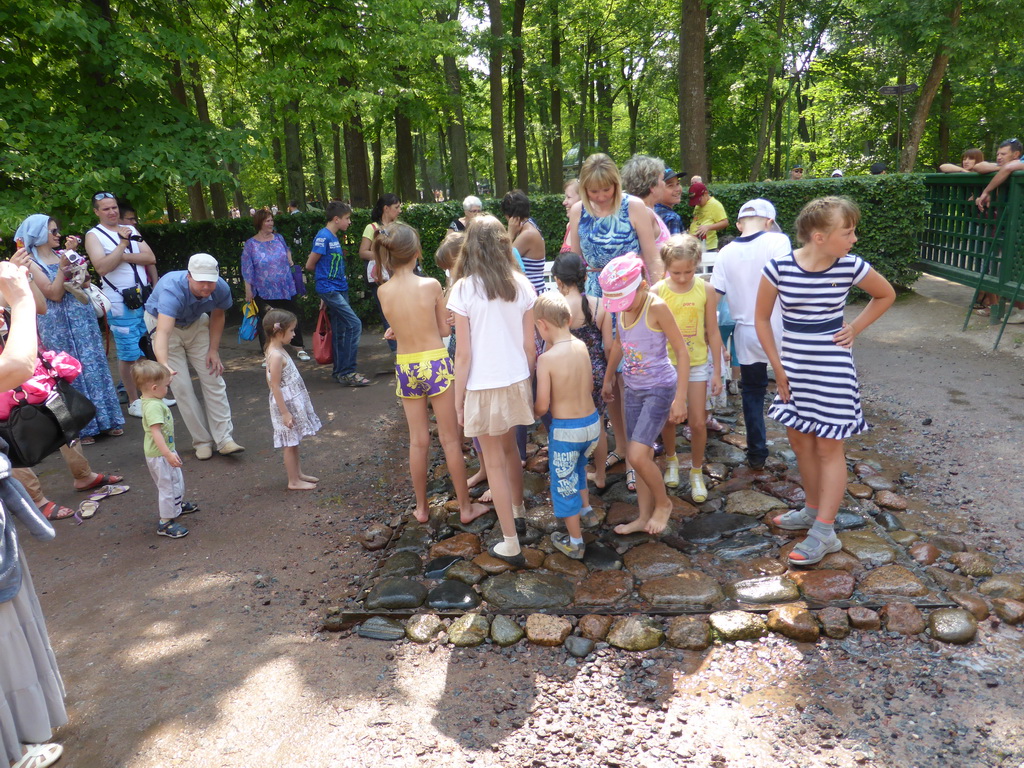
[(136, 296)]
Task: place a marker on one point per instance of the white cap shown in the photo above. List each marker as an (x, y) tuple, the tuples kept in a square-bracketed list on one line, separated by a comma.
[(203, 268), (837, 173), (757, 207)]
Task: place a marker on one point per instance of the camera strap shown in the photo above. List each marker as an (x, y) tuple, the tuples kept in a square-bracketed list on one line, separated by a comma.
[(128, 249)]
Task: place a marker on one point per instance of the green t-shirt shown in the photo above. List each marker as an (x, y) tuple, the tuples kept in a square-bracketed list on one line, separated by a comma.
[(712, 213), (155, 412)]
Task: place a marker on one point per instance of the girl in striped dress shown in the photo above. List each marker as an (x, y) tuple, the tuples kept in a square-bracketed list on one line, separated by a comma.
[(818, 397)]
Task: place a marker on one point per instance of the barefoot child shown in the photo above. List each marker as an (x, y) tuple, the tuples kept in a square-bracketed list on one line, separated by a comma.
[(565, 385), (414, 306), (493, 305), (655, 391), (152, 380), (694, 308), (291, 411), (818, 398), (592, 325)]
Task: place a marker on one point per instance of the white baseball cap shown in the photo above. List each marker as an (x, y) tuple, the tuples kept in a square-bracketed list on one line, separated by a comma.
[(757, 207), (203, 268)]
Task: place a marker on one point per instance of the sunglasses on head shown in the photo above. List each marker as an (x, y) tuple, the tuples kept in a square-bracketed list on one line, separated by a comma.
[(102, 196)]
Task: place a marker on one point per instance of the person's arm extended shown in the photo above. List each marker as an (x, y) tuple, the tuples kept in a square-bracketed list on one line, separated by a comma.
[(161, 335), (463, 359), (641, 221), (444, 330), (542, 404), (667, 323), (528, 345), (18, 359), (614, 358), (1001, 176), (985, 167), (274, 369), (767, 295), (158, 439), (951, 168), (213, 363), (882, 297)]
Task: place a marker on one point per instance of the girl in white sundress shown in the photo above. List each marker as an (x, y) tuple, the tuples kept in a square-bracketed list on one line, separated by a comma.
[(818, 396), (291, 411)]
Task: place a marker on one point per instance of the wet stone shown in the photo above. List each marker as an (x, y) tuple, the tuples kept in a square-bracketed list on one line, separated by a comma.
[(762, 566), (478, 526), (620, 513), (559, 563), (619, 492), (1009, 585), (890, 500), (949, 580), (376, 537), (864, 618), (785, 455), (794, 622), (1010, 611), (848, 521), (466, 545), (546, 630), (976, 564), (971, 602), (395, 594), (923, 552), (677, 542), (604, 589), (543, 518), (888, 521), (742, 547), (948, 543), (878, 483), (707, 529), (904, 538), (490, 564), (691, 633), (722, 453), (527, 590), (600, 557), (580, 647), (745, 472), (423, 627), (731, 626), (903, 618), (653, 560), (734, 484), (381, 628), (453, 596), (864, 470), (824, 586), (636, 633), (716, 470), (623, 543), (952, 625), (791, 493), (688, 589), (892, 581), (466, 572), (859, 491), (534, 485), (764, 590), (468, 630), (752, 503), (534, 558), (403, 564), (834, 622), (836, 561), (415, 538), (505, 631), (867, 547), (594, 626)]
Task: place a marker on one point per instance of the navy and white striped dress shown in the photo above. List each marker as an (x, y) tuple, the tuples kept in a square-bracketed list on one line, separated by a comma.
[(824, 395)]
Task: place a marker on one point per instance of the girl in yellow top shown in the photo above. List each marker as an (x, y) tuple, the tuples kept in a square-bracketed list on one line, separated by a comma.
[(694, 306)]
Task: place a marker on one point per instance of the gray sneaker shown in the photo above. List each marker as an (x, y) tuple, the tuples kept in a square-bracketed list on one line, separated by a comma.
[(562, 544)]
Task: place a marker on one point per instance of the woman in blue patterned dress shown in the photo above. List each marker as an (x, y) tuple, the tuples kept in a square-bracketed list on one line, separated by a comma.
[(70, 326)]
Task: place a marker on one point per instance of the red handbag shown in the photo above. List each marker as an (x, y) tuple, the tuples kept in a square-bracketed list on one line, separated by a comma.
[(323, 339)]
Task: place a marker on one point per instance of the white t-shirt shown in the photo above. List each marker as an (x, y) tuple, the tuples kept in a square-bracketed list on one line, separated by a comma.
[(738, 275), (496, 332), (122, 276)]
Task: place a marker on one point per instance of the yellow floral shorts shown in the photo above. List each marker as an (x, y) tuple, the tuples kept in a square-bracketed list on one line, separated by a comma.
[(423, 374)]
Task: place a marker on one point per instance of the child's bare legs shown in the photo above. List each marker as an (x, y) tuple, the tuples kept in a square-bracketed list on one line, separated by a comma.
[(451, 441), (506, 475), (600, 457), (822, 464), (831, 458), (696, 417), (572, 525), (419, 444), (618, 418), (652, 499), (296, 481)]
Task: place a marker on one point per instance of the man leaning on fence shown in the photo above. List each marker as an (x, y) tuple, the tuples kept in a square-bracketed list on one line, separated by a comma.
[(1008, 160)]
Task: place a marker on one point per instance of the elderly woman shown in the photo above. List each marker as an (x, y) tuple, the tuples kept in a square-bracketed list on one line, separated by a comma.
[(31, 690), (69, 325), (267, 272), (471, 208)]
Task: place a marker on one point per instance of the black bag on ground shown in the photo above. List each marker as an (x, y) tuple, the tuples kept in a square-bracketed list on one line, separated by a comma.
[(33, 432)]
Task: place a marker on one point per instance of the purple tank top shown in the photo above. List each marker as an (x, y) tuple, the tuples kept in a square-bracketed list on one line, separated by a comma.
[(645, 363)]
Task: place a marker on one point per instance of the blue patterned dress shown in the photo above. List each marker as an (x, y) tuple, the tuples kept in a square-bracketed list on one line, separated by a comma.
[(602, 239), (70, 326)]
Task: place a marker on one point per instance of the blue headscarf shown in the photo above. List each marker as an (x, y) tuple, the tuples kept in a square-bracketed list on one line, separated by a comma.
[(34, 231)]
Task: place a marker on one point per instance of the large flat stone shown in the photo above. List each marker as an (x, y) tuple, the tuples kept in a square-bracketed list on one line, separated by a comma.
[(688, 589), (709, 528), (527, 590), (465, 545), (451, 595), (764, 590), (402, 564), (731, 626), (868, 547), (603, 589), (892, 581), (826, 585), (636, 633), (654, 560), (395, 594), (752, 504)]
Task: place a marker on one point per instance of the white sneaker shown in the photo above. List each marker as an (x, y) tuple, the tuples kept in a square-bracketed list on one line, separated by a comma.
[(135, 409), (1016, 317), (698, 491), (672, 472), (170, 402)]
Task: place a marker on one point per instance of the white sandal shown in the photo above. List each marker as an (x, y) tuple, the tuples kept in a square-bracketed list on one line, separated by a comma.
[(40, 756), (303, 355)]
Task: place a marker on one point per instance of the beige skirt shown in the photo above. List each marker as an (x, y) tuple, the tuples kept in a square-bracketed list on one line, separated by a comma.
[(494, 412)]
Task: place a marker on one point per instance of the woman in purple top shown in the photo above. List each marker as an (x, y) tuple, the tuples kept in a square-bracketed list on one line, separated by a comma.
[(267, 271)]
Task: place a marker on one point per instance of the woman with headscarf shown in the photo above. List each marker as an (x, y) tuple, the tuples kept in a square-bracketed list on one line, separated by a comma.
[(70, 326), (31, 690)]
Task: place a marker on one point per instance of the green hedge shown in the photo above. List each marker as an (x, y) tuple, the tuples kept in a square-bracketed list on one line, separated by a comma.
[(893, 208)]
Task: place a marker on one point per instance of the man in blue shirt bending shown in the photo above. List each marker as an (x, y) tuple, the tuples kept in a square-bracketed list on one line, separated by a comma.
[(185, 315), (327, 263)]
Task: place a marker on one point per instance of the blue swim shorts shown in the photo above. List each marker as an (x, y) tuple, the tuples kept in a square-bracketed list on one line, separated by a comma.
[(570, 443)]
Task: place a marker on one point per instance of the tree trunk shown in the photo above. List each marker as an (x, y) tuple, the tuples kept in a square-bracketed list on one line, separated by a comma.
[(461, 186), (172, 209), (355, 157), (555, 152), (375, 182), (338, 186), (940, 61), (497, 101), (427, 189), (769, 98), (218, 200), (238, 198), (293, 153), (780, 104), (405, 158), (318, 157), (945, 105), (196, 203), (519, 97), (603, 87), (690, 77)]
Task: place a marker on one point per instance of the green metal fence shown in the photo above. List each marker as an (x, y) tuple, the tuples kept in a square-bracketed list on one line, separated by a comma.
[(980, 249)]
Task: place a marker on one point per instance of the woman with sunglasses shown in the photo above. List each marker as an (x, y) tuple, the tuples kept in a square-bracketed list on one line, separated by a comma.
[(70, 326)]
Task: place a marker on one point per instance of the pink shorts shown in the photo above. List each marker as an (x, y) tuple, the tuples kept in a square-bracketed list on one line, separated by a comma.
[(494, 412)]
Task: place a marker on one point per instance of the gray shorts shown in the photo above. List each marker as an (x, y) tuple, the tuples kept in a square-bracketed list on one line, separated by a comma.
[(647, 411)]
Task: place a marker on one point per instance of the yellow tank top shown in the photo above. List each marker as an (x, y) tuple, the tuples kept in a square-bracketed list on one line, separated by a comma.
[(688, 310)]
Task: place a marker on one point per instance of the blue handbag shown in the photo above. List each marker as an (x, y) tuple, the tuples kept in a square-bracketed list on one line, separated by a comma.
[(250, 317), (300, 280)]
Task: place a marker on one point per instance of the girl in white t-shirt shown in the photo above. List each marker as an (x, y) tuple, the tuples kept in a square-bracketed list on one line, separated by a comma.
[(493, 306)]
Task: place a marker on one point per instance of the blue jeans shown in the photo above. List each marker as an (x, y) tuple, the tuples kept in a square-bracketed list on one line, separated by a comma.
[(754, 379), (346, 329)]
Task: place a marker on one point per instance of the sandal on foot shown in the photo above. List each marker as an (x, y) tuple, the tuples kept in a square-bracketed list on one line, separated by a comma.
[(794, 520), (612, 459), (101, 479), (40, 756), (517, 560), (87, 441), (354, 380), (88, 508), (53, 511), (813, 550), (631, 480), (172, 530), (189, 508), (303, 355)]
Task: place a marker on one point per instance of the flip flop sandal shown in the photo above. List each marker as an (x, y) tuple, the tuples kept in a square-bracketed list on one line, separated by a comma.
[(794, 520), (40, 756), (116, 432), (631, 480), (88, 508), (108, 490), (610, 462), (101, 479), (814, 550), (54, 511), (87, 441)]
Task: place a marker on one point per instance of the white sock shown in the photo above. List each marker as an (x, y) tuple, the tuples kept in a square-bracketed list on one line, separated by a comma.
[(586, 510), (509, 547), (575, 542), (519, 510)]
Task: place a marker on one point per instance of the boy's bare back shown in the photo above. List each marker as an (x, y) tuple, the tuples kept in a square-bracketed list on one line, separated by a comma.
[(567, 366), (415, 308)]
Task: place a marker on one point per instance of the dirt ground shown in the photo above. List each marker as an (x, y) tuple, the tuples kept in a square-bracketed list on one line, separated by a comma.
[(206, 651)]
